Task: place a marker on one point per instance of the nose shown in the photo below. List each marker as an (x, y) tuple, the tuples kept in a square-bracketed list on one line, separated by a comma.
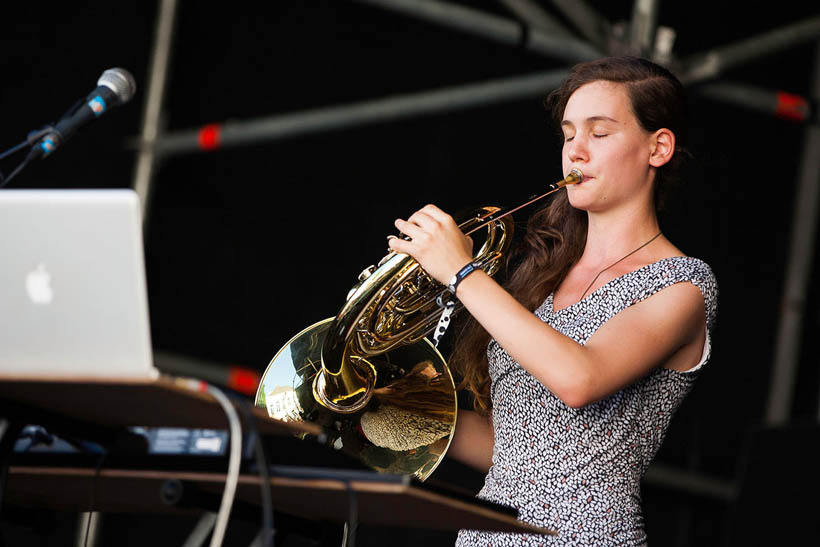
[(576, 149)]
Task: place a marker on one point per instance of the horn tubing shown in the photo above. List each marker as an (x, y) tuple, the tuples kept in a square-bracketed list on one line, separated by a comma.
[(574, 177), (341, 385)]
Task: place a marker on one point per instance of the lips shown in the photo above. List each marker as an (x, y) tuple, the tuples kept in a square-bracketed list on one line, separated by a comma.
[(584, 177)]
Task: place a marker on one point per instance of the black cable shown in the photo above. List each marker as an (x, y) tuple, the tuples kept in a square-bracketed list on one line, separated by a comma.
[(9, 432), (13, 149), (268, 530), (88, 528), (6, 180), (84, 446), (8, 438), (353, 516), (32, 139), (94, 494)]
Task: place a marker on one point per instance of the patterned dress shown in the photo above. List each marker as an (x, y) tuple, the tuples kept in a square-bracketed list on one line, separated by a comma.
[(578, 471)]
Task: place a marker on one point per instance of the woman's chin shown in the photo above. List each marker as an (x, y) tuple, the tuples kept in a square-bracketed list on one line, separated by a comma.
[(581, 199)]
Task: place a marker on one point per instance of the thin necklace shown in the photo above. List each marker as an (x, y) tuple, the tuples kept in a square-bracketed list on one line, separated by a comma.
[(653, 238)]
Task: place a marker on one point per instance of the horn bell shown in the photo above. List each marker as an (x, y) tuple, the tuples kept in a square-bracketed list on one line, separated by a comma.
[(407, 423)]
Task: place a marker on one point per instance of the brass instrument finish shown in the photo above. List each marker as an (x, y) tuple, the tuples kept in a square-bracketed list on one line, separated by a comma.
[(369, 377), (410, 417)]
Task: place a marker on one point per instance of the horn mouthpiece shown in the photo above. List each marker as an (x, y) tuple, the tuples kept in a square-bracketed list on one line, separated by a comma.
[(575, 176)]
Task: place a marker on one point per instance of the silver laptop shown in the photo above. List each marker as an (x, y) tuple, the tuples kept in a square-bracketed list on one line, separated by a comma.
[(73, 301)]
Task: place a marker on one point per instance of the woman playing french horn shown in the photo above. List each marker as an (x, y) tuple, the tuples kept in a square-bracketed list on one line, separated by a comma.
[(578, 363)]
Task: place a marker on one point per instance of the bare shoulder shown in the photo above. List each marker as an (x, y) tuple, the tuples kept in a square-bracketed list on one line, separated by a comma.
[(665, 328), (682, 291), (669, 318), (678, 301)]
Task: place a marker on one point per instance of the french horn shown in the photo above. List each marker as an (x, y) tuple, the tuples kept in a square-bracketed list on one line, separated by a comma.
[(368, 376)]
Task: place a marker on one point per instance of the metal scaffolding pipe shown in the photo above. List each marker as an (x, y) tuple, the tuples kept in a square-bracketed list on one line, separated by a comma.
[(644, 26), (798, 269), (775, 103), (688, 481), (664, 42), (152, 113), (493, 27), (535, 16), (711, 64), (357, 114), (589, 22)]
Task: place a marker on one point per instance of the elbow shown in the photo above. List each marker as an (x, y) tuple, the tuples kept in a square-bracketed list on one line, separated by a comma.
[(577, 393), (576, 400)]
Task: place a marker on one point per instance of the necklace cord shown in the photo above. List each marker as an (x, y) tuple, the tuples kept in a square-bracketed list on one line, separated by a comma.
[(653, 238)]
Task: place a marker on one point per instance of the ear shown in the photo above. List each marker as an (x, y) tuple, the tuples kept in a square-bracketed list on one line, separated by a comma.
[(663, 147)]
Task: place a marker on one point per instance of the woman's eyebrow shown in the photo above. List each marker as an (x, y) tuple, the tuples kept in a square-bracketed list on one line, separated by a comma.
[(590, 120)]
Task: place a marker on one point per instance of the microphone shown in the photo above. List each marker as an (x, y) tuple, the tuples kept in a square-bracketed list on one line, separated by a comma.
[(116, 86)]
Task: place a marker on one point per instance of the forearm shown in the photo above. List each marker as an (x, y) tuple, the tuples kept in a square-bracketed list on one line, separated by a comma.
[(552, 358), (630, 345)]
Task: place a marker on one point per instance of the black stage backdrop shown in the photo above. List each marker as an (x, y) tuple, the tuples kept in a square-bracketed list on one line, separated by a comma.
[(245, 247)]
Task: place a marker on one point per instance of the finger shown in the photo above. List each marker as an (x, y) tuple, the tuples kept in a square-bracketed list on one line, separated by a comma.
[(409, 229), (398, 244), (425, 221), (436, 213)]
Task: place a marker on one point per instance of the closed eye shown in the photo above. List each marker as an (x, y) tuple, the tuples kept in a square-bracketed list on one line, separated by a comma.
[(596, 135)]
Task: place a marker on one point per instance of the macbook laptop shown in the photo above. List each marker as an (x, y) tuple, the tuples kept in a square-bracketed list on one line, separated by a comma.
[(73, 301)]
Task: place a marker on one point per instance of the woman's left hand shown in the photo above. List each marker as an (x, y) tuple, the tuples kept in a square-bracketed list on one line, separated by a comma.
[(436, 242)]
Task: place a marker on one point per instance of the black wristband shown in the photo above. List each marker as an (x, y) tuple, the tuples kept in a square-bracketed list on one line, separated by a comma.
[(460, 275)]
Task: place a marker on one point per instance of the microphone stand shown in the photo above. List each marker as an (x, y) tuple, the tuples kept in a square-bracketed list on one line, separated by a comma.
[(31, 140), (115, 86)]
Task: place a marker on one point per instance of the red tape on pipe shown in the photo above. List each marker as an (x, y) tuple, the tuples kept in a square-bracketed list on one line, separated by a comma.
[(209, 136), (791, 107), (243, 380)]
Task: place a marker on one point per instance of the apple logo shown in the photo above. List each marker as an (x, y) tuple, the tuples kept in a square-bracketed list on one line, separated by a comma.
[(38, 285)]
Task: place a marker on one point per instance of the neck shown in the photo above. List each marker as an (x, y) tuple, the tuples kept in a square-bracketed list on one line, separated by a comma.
[(612, 234)]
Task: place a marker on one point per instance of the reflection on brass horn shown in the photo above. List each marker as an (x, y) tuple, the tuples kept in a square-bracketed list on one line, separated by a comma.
[(371, 368)]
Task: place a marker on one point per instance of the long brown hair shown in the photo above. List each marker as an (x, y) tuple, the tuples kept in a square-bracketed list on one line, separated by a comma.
[(556, 234)]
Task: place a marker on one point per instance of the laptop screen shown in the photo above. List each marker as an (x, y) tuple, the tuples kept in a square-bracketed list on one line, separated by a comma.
[(73, 300)]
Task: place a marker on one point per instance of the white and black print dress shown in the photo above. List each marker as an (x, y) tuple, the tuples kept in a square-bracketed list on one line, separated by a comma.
[(578, 471)]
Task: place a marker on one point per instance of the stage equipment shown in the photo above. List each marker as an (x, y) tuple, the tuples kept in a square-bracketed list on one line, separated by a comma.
[(115, 86), (369, 377), (91, 455)]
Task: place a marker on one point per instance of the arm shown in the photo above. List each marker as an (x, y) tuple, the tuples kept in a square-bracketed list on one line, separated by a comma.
[(627, 347), (473, 441)]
